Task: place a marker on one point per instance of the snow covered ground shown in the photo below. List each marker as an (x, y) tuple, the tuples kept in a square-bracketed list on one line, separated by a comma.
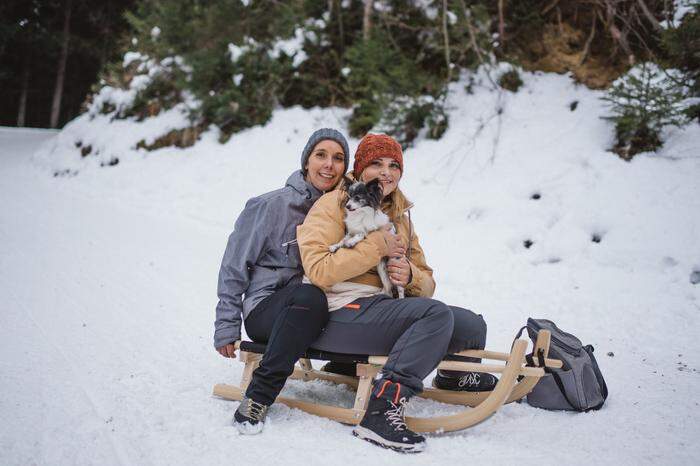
[(108, 283)]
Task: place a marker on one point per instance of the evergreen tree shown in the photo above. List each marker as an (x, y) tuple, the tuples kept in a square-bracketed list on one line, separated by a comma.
[(241, 59), (682, 48), (391, 61), (642, 102)]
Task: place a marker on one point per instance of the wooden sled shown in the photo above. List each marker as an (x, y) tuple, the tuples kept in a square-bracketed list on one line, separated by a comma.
[(516, 380)]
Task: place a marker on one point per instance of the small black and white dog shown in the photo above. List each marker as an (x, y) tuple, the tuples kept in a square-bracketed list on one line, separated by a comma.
[(363, 215)]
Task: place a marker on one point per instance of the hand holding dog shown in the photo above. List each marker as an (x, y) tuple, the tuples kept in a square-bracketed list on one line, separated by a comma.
[(399, 271), (394, 243)]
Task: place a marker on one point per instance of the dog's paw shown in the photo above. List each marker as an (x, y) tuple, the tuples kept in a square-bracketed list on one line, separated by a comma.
[(350, 243), (333, 247)]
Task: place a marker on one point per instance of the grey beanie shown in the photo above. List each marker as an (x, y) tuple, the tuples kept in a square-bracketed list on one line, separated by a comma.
[(321, 135)]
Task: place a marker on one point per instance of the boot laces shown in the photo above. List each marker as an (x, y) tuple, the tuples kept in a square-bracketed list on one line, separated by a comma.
[(253, 409), (395, 416), (472, 379)]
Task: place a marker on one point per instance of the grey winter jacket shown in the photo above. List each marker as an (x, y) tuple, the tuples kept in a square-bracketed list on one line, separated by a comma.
[(261, 255)]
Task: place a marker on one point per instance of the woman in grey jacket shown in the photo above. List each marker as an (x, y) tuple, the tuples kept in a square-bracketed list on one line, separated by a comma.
[(261, 273)]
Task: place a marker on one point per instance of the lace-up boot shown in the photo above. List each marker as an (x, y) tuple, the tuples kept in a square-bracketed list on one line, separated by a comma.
[(250, 417), (465, 381), (384, 423)]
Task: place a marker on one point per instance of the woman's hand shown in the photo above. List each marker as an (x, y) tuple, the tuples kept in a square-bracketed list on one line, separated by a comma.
[(227, 351), (394, 244), (399, 271)]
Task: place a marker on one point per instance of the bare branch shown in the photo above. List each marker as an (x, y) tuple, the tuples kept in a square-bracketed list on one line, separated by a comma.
[(546, 9), (587, 46), (647, 13)]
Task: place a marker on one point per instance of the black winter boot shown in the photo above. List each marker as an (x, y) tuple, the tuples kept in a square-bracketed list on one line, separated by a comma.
[(250, 417), (465, 381), (384, 424)]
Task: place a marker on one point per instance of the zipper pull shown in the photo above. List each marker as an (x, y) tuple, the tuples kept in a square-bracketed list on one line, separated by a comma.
[(289, 242)]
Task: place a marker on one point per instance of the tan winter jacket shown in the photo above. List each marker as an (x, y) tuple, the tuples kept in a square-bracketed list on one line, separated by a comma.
[(324, 226)]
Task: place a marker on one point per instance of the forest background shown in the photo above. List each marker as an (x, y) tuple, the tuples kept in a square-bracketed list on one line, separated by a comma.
[(174, 113), (232, 62)]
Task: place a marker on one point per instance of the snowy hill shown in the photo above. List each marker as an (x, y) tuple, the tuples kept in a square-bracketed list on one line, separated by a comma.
[(108, 278)]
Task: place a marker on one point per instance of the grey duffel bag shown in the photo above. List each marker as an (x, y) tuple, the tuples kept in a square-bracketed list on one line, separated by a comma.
[(578, 385)]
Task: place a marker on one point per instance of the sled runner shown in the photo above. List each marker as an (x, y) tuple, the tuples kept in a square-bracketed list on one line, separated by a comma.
[(517, 379)]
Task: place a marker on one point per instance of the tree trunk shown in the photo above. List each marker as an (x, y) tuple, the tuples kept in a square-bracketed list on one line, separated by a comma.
[(501, 25), (341, 31), (367, 20), (446, 37), (61, 73), (21, 114)]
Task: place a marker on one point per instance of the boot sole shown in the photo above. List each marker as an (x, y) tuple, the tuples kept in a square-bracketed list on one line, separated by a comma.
[(246, 428), (371, 437)]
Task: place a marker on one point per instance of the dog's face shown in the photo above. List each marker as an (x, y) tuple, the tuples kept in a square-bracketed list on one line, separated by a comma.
[(364, 195)]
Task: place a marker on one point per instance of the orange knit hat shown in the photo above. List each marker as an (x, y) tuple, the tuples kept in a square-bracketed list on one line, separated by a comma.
[(375, 146)]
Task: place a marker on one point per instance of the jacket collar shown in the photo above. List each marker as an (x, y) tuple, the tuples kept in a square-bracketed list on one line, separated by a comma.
[(297, 182)]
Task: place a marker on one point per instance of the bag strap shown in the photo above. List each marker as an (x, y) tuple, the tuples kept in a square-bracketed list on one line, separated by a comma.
[(599, 376), (560, 385), (520, 332), (410, 235), (601, 381), (540, 359)]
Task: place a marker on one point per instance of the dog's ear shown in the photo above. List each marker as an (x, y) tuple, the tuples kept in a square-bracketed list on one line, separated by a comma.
[(375, 190), (346, 182)]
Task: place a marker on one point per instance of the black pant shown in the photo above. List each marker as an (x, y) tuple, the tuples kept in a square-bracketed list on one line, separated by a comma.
[(289, 320), (415, 333)]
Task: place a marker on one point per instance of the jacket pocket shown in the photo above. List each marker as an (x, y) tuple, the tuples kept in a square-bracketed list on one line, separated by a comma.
[(290, 250)]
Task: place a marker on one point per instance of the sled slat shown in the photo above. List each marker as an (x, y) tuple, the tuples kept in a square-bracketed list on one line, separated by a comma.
[(366, 373), (252, 361), (305, 364), (470, 366), (335, 413), (300, 374), (542, 342)]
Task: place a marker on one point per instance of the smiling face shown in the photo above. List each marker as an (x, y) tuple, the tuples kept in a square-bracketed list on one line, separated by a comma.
[(387, 170), (326, 165)]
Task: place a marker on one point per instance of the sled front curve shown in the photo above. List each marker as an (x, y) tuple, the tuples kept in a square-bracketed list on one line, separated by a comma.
[(483, 410), (485, 403)]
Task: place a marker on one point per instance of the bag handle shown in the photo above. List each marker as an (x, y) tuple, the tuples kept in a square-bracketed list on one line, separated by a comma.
[(520, 332)]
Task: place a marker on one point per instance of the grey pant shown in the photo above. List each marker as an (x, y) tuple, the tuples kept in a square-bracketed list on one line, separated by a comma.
[(415, 333)]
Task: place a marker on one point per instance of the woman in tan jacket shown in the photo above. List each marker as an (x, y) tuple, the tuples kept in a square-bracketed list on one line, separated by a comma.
[(415, 332)]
